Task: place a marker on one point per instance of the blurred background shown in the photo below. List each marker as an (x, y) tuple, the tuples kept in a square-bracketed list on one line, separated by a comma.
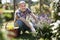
[(46, 8)]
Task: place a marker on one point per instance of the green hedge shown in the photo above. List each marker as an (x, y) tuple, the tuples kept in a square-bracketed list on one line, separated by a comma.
[(8, 16)]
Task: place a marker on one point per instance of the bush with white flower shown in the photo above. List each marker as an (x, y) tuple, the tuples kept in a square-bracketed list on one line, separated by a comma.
[(56, 29)]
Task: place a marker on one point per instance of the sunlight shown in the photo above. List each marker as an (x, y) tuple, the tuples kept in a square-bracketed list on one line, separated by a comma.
[(34, 0)]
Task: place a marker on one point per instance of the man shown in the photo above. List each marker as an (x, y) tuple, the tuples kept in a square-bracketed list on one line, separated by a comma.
[(20, 17)]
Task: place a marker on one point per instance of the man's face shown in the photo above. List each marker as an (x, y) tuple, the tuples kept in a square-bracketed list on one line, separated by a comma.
[(22, 7)]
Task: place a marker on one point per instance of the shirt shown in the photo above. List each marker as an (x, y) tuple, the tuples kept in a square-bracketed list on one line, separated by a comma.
[(19, 13)]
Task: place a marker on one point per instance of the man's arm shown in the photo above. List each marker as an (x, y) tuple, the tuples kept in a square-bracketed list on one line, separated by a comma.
[(29, 11), (36, 20), (24, 20)]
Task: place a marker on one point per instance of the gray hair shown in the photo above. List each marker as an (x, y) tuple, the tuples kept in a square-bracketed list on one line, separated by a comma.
[(22, 2)]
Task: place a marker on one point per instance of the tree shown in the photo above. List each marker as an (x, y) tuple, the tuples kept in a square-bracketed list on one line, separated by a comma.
[(0, 1), (1, 24), (1, 34)]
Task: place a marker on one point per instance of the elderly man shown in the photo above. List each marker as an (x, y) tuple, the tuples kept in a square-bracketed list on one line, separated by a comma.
[(20, 17)]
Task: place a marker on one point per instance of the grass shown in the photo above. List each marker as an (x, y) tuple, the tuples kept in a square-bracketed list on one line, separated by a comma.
[(25, 37)]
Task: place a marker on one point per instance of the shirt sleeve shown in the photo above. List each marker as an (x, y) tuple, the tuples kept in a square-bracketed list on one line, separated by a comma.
[(18, 14), (28, 10)]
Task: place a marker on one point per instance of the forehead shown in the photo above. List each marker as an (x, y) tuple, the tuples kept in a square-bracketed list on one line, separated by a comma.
[(22, 4)]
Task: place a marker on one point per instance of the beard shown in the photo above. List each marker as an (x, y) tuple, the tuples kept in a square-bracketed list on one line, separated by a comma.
[(23, 10)]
